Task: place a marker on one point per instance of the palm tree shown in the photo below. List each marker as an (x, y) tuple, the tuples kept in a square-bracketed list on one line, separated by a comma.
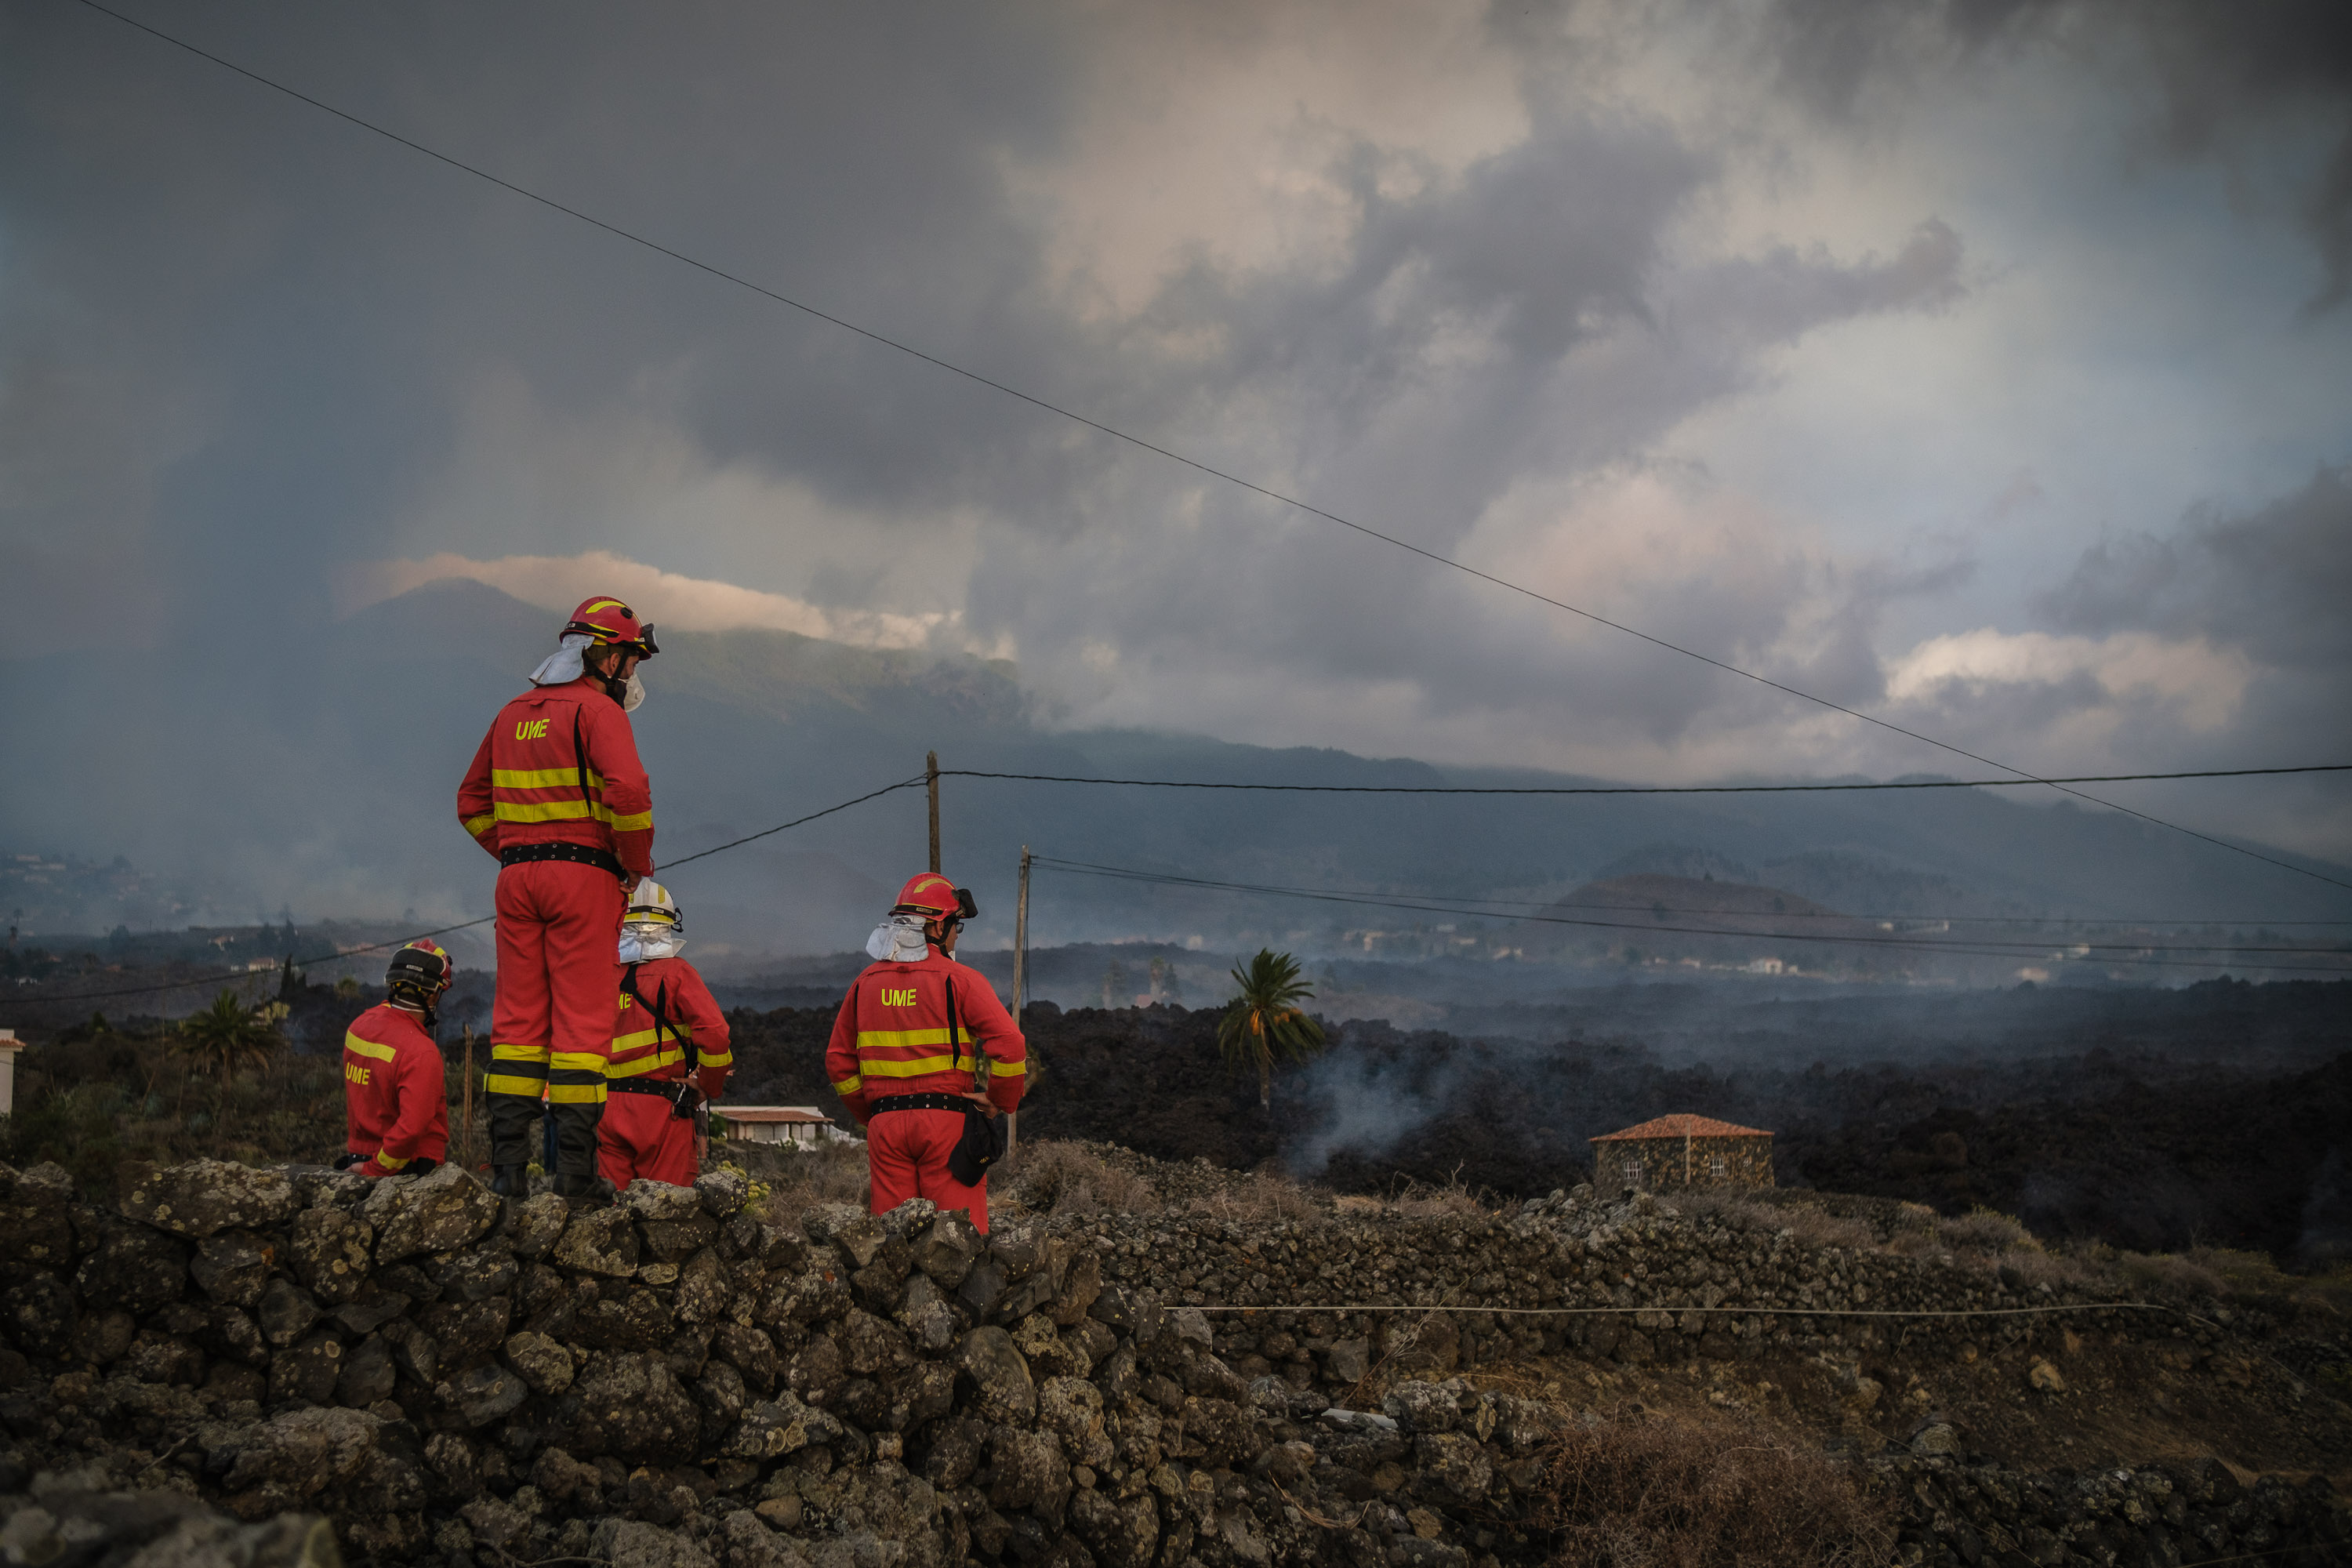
[(227, 1036), (1263, 1022)]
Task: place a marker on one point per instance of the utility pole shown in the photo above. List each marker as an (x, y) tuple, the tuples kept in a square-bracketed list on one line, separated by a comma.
[(1020, 986), (1021, 940), (931, 776), (466, 1134)]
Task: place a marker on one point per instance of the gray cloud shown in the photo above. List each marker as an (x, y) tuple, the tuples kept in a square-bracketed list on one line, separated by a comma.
[(2275, 581), (2212, 74)]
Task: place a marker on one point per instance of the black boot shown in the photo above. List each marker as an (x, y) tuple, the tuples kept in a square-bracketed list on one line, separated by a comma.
[(584, 1192), (511, 1181)]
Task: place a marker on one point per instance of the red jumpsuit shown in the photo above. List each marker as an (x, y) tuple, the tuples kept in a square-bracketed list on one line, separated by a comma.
[(558, 767), (395, 1101), (892, 1037), (640, 1136)]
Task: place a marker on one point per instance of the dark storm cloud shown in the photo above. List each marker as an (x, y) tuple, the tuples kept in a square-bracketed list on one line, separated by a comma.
[(2275, 581), (2211, 73)]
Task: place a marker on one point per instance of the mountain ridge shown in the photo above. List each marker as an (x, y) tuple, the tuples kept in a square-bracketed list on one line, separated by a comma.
[(347, 741)]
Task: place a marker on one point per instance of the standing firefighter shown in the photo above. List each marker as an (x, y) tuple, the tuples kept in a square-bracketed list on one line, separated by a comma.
[(557, 794), (917, 1034), (669, 1051), (395, 1102)]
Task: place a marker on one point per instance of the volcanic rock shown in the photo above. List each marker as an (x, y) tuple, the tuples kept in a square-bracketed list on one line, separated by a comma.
[(204, 1197), (438, 1212)]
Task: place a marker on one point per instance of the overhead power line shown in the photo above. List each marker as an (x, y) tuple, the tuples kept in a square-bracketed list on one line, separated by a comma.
[(235, 974), (795, 822), (1644, 789), (1977, 949), (1195, 464)]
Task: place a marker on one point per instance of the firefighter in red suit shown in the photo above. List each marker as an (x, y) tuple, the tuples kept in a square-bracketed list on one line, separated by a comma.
[(670, 1056), (906, 1044), (557, 794), (395, 1102)]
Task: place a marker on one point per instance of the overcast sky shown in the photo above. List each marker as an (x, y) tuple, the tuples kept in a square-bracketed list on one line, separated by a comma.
[(1986, 367)]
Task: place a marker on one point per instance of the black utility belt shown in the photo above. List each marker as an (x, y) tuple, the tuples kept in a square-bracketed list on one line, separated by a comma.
[(665, 1088), (919, 1102), (684, 1100), (577, 853)]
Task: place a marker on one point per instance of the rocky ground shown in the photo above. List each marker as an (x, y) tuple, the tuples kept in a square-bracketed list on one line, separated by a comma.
[(705, 1378)]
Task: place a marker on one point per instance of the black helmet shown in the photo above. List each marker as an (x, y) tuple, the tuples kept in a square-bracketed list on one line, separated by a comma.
[(418, 974)]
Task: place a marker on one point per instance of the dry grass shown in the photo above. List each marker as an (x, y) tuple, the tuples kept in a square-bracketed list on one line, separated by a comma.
[(1260, 1195), (2033, 1267), (1678, 1493), (1062, 1178), (2164, 1274), (786, 1185), (1988, 1232), (1423, 1200), (2254, 1274), (1810, 1226)]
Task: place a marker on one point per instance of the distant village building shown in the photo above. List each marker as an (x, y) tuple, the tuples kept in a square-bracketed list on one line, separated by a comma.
[(803, 1126), (1682, 1151), (9, 1045)]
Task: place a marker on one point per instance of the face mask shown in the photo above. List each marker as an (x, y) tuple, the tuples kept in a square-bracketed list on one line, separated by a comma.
[(428, 1011), (643, 944), (899, 939), (632, 694)]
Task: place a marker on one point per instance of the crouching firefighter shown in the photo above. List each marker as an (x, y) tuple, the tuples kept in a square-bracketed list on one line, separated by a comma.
[(395, 1102), (669, 1056), (926, 1057), (557, 794)]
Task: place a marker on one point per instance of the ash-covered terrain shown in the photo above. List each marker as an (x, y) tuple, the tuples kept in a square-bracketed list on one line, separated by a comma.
[(2216, 1114)]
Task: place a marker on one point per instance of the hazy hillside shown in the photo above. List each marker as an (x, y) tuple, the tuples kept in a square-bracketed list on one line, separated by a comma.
[(344, 753)]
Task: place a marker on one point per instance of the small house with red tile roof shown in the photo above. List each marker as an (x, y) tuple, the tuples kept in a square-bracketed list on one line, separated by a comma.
[(1682, 1151)]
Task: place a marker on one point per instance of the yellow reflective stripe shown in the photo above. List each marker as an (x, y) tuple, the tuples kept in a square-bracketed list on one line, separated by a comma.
[(718, 1058), (577, 1061), (529, 1087), (570, 811), (914, 1066), (540, 778), (576, 1093), (477, 825), (1007, 1069), (644, 1065), (510, 1053), (885, 1039), (849, 1085), (542, 811), (369, 1048), (641, 1039), (389, 1162)]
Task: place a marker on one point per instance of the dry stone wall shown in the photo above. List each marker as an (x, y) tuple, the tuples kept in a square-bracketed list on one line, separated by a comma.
[(677, 1380)]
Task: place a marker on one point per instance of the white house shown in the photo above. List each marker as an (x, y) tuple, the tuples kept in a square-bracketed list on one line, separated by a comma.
[(802, 1125)]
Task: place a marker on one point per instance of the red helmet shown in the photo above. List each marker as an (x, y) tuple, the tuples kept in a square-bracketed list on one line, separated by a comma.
[(612, 623), (935, 898)]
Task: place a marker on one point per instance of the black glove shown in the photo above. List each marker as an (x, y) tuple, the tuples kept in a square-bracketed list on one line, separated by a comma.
[(348, 1161)]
